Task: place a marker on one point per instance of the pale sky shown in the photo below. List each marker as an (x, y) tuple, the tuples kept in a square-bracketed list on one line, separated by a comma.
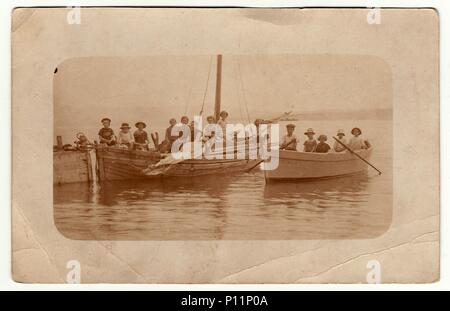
[(156, 88)]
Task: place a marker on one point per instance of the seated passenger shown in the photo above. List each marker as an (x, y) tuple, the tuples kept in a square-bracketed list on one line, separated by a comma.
[(141, 137), (169, 137), (223, 119), (166, 145), (222, 122), (106, 134), (124, 138), (83, 143), (209, 129), (337, 146), (289, 141), (184, 120), (322, 146), (356, 142), (310, 144)]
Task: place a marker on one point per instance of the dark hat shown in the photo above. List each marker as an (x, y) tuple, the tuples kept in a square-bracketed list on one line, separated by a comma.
[(290, 125), (125, 125), (106, 119), (322, 137), (140, 122), (356, 129), (223, 112)]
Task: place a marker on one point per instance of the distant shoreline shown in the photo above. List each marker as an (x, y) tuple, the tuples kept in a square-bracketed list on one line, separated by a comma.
[(375, 114)]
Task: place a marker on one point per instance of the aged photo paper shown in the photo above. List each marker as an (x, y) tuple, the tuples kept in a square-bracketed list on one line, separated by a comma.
[(231, 145)]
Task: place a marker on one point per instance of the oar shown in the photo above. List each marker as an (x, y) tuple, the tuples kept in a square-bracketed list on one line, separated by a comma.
[(360, 157)]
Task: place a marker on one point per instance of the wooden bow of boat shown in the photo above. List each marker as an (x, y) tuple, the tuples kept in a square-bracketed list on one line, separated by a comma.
[(115, 163)]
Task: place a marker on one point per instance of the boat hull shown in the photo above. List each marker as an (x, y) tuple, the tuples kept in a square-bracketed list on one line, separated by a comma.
[(192, 168), (118, 164), (306, 165)]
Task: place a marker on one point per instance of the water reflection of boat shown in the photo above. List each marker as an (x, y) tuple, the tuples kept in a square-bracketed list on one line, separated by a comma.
[(308, 165), (131, 191), (335, 208), (354, 185), (158, 190), (158, 209)]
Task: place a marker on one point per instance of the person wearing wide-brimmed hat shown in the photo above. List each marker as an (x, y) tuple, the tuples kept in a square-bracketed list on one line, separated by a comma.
[(341, 136), (140, 136), (310, 144), (356, 142), (289, 141), (124, 138), (106, 133), (322, 146)]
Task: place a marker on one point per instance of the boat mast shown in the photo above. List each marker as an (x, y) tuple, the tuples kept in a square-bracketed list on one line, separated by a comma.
[(218, 87)]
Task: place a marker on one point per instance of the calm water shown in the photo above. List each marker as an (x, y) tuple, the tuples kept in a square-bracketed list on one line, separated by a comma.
[(233, 207)]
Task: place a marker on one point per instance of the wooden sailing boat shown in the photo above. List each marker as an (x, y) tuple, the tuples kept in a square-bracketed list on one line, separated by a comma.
[(115, 163)]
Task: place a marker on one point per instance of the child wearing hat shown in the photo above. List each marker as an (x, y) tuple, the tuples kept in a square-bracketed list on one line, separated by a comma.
[(322, 146), (83, 142), (124, 138), (106, 134), (337, 146), (356, 142), (289, 141), (140, 137), (310, 144)]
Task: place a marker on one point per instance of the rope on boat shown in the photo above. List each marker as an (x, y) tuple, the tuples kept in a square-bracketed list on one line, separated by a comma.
[(207, 84), (242, 89)]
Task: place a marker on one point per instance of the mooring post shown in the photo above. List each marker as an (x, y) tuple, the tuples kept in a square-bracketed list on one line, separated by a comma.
[(59, 142)]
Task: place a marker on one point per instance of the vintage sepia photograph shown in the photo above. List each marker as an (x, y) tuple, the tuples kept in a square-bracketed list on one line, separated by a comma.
[(225, 145), (315, 132)]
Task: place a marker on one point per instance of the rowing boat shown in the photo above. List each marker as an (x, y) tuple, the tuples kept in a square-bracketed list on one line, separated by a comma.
[(294, 165)]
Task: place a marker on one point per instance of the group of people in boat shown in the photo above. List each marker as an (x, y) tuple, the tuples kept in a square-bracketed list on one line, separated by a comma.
[(356, 142), (125, 139), (169, 139), (139, 139)]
